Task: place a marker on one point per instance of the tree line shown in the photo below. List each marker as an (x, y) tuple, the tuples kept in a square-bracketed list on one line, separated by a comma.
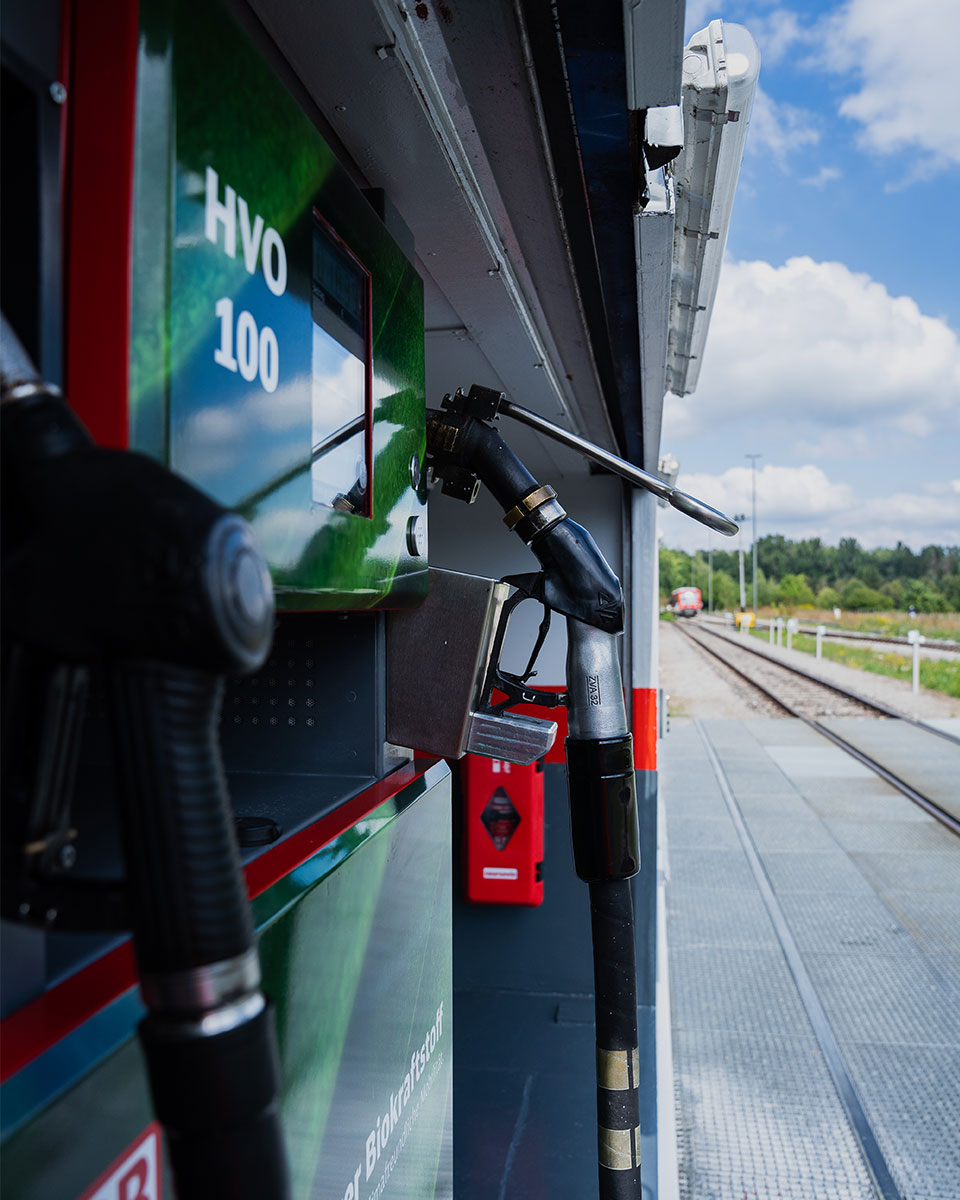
[(810, 573)]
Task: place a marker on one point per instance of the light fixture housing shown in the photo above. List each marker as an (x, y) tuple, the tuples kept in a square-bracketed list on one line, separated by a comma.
[(668, 468), (720, 70)]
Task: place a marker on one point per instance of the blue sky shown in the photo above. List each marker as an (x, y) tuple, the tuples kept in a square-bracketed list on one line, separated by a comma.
[(833, 349)]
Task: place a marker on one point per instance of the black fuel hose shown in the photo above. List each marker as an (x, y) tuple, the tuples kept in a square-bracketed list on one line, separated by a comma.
[(577, 582), (168, 590), (606, 848)]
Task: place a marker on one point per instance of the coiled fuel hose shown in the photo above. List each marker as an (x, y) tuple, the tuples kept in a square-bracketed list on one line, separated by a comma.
[(577, 582), (113, 559)]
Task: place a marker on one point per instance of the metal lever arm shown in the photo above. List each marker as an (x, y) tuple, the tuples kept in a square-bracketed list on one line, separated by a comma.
[(689, 505), (487, 404)]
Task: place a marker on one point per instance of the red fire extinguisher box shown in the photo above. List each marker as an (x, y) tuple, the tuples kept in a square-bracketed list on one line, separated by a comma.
[(503, 831)]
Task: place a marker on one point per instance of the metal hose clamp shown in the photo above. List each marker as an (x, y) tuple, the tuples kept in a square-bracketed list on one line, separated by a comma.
[(539, 510)]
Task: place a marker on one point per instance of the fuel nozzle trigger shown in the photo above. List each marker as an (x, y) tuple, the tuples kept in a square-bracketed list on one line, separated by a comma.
[(514, 686)]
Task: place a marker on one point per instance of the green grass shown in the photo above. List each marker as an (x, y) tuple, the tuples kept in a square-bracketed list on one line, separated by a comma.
[(940, 675), (892, 624)]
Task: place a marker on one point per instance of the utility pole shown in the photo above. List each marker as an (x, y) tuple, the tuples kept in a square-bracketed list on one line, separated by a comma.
[(753, 462), (740, 518), (710, 575)]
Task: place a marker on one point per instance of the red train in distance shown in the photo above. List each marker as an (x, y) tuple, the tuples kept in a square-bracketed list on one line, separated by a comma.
[(686, 601)]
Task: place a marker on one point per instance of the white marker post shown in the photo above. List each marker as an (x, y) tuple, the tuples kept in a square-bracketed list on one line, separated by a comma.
[(916, 638), (770, 626), (821, 630), (792, 626)]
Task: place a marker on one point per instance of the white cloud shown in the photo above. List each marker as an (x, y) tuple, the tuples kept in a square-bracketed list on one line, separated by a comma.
[(699, 13), (215, 438), (821, 346), (824, 176), (776, 33), (896, 52), (283, 531), (783, 493), (802, 502), (779, 130), (286, 408), (855, 443)]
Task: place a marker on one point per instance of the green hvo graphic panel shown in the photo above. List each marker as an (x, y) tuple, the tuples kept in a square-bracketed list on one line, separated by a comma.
[(356, 950), (277, 329), (364, 1015)]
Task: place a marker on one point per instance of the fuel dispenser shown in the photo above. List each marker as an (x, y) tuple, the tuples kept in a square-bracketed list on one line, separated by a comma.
[(466, 450), (242, 336), (261, 324)]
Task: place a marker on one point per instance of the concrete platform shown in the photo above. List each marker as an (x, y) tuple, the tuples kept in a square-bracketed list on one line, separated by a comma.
[(813, 934), (929, 763)]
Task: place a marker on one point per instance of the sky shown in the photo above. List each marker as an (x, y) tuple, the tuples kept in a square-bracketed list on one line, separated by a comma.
[(833, 349)]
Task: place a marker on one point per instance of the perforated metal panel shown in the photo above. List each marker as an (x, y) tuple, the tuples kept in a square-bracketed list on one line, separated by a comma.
[(317, 706)]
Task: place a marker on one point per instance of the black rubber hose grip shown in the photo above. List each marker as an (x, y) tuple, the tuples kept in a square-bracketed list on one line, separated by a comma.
[(186, 888), (216, 1097), (603, 808)]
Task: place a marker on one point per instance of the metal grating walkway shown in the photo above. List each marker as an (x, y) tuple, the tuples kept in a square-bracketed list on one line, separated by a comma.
[(813, 920)]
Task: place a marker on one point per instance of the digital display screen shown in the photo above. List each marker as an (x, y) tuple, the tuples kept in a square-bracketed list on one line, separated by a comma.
[(340, 305), (339, 285)]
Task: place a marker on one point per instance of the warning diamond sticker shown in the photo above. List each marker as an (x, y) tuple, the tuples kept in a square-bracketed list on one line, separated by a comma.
[(500, 818)]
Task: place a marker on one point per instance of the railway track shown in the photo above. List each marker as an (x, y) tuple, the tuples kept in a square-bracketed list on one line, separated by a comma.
[(879, 641), (812, 700)]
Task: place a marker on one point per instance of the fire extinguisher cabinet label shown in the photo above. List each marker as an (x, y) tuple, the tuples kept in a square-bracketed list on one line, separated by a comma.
[(503, 851)]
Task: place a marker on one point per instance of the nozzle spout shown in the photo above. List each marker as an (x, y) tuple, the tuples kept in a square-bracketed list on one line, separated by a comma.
[(711, 517)]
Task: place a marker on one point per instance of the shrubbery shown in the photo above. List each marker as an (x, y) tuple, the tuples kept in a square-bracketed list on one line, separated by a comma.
[(804, 573)]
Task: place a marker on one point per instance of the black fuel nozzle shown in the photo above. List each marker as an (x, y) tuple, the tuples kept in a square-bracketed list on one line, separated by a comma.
[(109, 558), (464, 450), (577, 581)]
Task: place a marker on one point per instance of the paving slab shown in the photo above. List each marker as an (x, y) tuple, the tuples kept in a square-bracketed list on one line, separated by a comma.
[(929, 763), (815, 975)]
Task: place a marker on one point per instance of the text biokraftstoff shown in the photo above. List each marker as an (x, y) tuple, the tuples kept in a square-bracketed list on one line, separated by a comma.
[(378, 1137)]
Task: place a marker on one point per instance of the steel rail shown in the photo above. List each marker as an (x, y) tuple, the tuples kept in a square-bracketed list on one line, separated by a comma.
[(924, 802), (876, 705), (854, 635)]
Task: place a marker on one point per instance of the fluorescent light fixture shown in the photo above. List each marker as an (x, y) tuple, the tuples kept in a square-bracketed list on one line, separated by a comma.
[(653, 227), (668, 468), (720, 69)]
